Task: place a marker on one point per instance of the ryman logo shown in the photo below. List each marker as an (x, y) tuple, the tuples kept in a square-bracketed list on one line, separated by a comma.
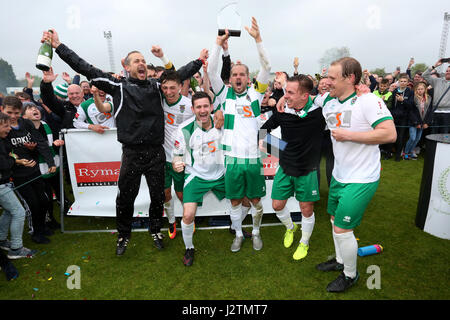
[(97, 173)]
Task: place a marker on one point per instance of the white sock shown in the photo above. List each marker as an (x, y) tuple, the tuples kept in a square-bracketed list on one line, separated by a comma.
[(336, 247), (169, 210), (188, 232), (285, 217), (236, 222), (245, 211), (349, 248), (257, 215), (307, 228)]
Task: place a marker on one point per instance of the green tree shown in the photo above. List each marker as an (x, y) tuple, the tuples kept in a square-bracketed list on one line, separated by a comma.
[(7, 76), (379, 71), (418, 67), (333, 54)]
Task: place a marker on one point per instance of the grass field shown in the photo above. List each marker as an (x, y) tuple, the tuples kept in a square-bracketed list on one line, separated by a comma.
[(414, 264)]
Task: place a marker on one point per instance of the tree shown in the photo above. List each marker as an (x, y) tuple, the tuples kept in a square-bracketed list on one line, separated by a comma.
[(333, 54), (7, 76), (418, 67), (379, 71)]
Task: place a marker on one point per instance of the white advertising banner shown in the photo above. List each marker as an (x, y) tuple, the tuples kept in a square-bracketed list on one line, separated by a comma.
[(94, 166), (438, 217)]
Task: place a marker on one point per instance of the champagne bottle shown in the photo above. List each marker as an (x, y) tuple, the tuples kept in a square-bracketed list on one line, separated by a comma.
[(194, 85), (45, 55)]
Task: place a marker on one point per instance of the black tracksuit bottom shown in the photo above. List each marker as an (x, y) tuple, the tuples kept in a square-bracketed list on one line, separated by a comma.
[(34, 195), (147, 160)]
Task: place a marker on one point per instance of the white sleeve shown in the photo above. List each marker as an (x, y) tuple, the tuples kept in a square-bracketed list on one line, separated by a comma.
[(179, 148), (79, 122), (264, 72), (213, 69), (374, 109)]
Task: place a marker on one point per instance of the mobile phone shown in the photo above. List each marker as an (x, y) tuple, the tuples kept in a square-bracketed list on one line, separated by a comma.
[(445, 60), (398, 68)]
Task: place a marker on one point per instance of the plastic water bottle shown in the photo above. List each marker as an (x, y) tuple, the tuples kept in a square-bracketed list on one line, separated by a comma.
[(369, 250)]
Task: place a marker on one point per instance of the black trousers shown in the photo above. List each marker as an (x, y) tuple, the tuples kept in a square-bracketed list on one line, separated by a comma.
[(36, 198), (137, 161)]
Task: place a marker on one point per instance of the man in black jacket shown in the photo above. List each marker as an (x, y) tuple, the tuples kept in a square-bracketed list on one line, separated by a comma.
[(402, 106), (302, 126), (140, 128)]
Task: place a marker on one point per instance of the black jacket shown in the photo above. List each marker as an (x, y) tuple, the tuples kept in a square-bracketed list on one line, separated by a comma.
[(416, 117), (401, 109), (15, 140), (137, 103), (304, 140), (6, 161), (63, 109)]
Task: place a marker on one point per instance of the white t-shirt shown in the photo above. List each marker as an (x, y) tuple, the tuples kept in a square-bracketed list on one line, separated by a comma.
[(354, 162), (174, 115), (200, 150), (87, 113)]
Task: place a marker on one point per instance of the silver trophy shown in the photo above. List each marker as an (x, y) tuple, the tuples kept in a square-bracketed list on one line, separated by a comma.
[(229, 18)]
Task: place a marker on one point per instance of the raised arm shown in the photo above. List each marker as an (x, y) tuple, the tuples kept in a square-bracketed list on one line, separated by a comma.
[(263, 76), (103, 80)]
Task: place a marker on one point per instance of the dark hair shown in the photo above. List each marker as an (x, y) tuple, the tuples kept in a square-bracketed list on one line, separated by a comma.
[(127, 58), (13, 102), (3, 117), (304, 82), (384, 81), (170, 75), (200, 95), (28, 105), (350, 66), (86, 82), (403, 76), (23, 95)]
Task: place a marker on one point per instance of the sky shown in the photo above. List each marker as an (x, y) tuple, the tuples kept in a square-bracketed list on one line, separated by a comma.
[(380, 34)]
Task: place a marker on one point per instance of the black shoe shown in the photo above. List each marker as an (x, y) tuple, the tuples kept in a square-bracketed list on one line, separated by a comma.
[(48, 232), (158, 240), (188, 258), (40, 238), (342, 283), (53, 224), (122, 244), (247, 235), (10, 271), (330, 265)]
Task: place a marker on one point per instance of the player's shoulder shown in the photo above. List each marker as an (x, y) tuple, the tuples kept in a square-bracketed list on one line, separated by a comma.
[(369, 98), (187, 124), (185, 101)]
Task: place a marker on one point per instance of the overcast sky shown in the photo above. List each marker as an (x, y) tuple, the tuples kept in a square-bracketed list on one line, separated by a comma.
[(381, 33)]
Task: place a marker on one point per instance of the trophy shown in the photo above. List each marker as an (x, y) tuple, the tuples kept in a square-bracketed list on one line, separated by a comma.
[(229, 18)]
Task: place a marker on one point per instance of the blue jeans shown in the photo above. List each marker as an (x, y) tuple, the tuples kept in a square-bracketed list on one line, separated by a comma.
[(13, 216), (414, 137)]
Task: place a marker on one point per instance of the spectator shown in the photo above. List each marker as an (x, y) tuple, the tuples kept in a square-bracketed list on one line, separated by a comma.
[(403, 103), (52, 183), (86, 89), (8, 267), (96, 113), (441, 98), (24, 140), (13, 216), (419, 119)]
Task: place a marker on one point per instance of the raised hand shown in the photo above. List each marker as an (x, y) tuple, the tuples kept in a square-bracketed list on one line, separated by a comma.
[(52, 37), (157, 51), (254, 30), (66, 77), (49, 76), (204, 54), (221, 39)]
